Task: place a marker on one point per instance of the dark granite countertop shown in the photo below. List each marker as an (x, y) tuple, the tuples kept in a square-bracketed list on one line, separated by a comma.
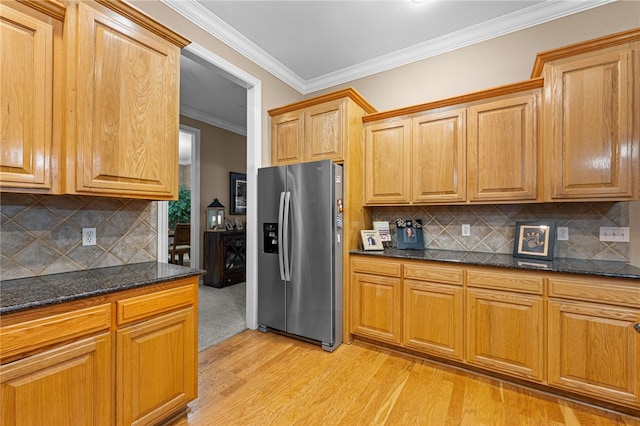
[(573, 266), (25, 293)]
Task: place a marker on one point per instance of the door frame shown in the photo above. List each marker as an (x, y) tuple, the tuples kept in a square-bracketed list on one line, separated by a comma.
[(254, 160)]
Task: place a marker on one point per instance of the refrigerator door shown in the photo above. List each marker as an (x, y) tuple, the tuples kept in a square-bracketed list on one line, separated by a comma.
[(271, 284), (311, 247)]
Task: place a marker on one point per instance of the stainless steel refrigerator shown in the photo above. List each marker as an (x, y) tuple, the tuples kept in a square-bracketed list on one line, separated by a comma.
[(300, 251)]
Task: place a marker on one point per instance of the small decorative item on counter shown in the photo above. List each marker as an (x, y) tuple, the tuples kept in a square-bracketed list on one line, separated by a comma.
[(409, 234), (215, 215), (371, 240), (534, 240), (385, 233)]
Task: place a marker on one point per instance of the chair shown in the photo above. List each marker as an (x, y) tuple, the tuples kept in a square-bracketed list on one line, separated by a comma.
[(181, 244)]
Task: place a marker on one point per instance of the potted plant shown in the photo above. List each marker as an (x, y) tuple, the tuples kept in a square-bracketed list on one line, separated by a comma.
[(180, 210)]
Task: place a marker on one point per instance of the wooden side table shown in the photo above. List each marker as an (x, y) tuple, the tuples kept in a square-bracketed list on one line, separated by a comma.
[(224, 258)]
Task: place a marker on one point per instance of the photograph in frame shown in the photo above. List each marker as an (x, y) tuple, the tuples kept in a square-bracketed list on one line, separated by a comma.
[(534, 240), (409, 234), (371, 240)]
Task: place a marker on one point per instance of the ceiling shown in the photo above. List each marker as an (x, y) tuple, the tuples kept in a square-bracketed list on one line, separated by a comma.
[(315, 44)]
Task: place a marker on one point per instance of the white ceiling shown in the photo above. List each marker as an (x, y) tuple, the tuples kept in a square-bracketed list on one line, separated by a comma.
[(315, 44)]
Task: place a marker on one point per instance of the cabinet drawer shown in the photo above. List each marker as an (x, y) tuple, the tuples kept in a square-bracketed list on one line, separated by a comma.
[(378, 267), (524, 283), (595, 290), (31, 335), (141, 307), (434, 273)]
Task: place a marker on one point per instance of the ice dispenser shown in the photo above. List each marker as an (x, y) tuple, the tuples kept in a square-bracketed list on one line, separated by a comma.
[(270, 235)]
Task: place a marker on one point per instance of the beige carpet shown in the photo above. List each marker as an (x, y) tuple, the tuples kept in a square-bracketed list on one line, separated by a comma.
[(221, 313)]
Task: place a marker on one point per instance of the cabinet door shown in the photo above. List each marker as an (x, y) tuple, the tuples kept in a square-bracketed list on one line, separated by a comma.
[(502, 150), (127, 109), (157, 367), (27, 102), (590, 139), (287, 138), (438, 160), (505, 332), (387, 162), (69, 385), (433, 318), (594, 350), (377, 307), (325, 129)]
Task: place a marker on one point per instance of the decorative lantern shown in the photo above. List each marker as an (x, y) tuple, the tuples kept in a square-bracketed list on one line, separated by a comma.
[(215, 215)]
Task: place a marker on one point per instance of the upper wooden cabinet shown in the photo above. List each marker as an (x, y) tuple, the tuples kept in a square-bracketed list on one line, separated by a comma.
[(591, 121), (477, 148), (118, 79), (318, 128), (30, 104)]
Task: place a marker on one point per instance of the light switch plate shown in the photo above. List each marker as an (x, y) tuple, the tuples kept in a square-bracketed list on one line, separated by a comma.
[(618, 234), (466, 230)]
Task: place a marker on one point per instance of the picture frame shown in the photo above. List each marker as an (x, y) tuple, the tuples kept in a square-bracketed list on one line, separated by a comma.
[(371, 240), (229, 225), (238, 193), (534, 240), (238, 222), (409, 234)]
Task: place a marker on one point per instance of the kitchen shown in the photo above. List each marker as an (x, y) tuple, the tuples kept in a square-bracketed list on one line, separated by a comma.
[(386, 96)]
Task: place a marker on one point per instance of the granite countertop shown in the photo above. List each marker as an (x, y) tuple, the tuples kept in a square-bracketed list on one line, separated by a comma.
[(25, 293), (573, 266)]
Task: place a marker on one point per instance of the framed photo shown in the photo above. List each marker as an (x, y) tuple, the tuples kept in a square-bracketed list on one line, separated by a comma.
[(238, 222), (409, 234), (229, 225), (238, 193), (371, 240), (534, 240)]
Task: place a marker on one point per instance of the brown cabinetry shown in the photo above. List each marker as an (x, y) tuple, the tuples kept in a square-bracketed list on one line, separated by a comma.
[(118, 132), (224, 258), (130, 359)]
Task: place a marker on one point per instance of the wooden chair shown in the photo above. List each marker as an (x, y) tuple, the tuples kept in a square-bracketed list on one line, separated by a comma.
[(181, 244)]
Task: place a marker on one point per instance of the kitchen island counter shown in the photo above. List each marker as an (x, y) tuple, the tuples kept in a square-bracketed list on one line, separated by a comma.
[(573, 266), (33, 292)]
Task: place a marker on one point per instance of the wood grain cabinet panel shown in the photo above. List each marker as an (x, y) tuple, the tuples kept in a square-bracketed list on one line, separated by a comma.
[(595, 350), (387, 160), (325, 130), (438, 160), (591, 126), (502, 149), (72, 384), (377, 307), (505, 332), (287, 138), (30, 137), (126, 108)]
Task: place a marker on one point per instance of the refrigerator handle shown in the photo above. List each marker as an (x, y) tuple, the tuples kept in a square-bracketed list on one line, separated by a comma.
[(285, 242), (281, 214)]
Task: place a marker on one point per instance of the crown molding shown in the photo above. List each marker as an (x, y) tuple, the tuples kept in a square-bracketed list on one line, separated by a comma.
[(196, 114), (529, 17)]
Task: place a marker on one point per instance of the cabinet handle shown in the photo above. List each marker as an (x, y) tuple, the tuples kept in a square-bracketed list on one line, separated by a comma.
[(637, 326)]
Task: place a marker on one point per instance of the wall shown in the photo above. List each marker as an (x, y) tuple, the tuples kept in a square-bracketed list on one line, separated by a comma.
[(493, 226), (221, 152), (41, 234)]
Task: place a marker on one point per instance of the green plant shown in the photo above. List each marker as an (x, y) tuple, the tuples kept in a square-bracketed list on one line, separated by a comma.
[(180, 210)]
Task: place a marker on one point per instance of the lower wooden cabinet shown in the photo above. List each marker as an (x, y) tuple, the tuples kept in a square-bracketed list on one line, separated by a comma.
[(68, 385), (595, 350), (505, 332), (377, 310)]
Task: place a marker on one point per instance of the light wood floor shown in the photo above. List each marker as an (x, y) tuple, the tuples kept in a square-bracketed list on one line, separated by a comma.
[(268, 379)]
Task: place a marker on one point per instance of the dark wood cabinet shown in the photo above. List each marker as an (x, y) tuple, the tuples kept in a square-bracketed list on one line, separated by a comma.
[(224, 258)]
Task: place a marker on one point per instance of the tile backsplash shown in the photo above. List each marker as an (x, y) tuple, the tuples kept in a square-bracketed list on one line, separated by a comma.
[(493, 226), (41, 234)]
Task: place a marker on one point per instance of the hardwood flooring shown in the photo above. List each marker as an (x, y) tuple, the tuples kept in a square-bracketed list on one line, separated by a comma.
[(268, 379)]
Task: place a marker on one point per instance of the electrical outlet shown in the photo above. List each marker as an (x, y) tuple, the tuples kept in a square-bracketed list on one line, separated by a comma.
[(466, 230), (89, 236), (563, 233), (619, 234)]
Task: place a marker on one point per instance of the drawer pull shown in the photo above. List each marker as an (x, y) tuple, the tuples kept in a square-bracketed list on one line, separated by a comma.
[(637, 326)]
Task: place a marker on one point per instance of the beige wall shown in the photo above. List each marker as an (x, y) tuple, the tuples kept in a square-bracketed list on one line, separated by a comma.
[(221, 152)]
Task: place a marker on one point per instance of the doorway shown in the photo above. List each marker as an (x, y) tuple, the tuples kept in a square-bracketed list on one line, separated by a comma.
[(254, 155)]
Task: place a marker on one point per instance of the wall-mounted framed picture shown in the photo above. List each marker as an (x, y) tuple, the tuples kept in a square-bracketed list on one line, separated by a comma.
[(534, 240), (371, 240), (238, 193)]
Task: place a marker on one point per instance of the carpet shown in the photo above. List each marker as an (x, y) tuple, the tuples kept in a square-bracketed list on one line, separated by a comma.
[(221, 313)]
